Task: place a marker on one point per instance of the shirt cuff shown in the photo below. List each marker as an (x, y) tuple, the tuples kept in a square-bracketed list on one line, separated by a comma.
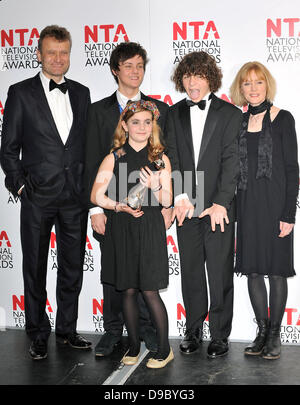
[(96, 210), (20, 189), (181, 197)]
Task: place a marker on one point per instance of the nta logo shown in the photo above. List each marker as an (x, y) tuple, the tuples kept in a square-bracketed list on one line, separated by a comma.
[(105, 33), (4, 239), (193, 27)]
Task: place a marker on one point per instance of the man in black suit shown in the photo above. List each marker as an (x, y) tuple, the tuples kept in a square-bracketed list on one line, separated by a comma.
[(127, 64), (206, 130), (42, 155)]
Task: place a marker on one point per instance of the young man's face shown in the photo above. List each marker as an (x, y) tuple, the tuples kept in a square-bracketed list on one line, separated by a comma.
[(130, 74), (55, 57), (196, 87)]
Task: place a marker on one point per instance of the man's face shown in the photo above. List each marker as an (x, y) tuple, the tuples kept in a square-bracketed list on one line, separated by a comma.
[(55, 58), (130, 74), (196, 87)]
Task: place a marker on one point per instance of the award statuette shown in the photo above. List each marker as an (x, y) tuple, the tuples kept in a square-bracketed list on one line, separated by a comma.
[(136, 195)]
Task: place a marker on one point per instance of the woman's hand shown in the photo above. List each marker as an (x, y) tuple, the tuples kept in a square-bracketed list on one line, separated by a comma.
[(121, 207), (285, 229), (149, 179)]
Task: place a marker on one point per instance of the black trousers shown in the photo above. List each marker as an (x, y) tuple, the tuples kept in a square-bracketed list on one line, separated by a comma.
[(112, 307), (200, 246), (70, 221)]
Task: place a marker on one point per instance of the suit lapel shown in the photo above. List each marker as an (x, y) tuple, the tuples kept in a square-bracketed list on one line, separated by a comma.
[(113, 109), (74, 101), (185, 122), (42, 103), (210, 125)]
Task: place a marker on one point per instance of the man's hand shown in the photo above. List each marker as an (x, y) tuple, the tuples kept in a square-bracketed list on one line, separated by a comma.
[(98, 222), (167, 214), (217, 214), (182, 209), (285, 229)]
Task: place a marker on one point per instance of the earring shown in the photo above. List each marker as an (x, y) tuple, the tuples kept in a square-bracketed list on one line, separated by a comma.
[(126, 134)]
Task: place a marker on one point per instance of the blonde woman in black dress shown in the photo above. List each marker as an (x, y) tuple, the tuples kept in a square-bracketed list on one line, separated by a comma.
[(266, 200), (134, 257)]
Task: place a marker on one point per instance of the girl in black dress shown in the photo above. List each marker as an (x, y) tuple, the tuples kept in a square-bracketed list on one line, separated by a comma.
[(135, 249), (266, 200)]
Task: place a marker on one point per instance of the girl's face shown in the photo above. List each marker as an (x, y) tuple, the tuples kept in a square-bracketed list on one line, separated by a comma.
[(139, 127), (254, 89)]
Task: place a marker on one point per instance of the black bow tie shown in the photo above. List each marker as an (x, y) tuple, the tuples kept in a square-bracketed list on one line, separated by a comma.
[(201, 104), (62, 87)]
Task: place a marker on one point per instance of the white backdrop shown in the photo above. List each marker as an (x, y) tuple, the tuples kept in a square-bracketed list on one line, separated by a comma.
[(231, 31)]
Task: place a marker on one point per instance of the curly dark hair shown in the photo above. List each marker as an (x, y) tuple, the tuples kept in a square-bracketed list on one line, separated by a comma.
[(124, 51), (198, 63), (59, 33)]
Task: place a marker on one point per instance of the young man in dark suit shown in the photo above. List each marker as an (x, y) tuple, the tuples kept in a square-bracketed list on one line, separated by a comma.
[(206, 130), (42, 155), (127, 63)]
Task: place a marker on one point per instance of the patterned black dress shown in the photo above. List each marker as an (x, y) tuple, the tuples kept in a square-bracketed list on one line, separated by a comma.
[(266, 202), (135, 249)]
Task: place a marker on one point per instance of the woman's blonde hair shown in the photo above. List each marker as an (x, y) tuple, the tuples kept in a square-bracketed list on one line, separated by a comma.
[(155, 143), (262, 72)]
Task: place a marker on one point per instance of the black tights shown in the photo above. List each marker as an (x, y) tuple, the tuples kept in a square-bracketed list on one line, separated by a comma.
[(259, 297), (158, 314)]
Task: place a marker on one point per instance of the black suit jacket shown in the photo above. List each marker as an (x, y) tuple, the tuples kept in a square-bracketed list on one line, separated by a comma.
[(32, 152), (218, 157), (103, 119)]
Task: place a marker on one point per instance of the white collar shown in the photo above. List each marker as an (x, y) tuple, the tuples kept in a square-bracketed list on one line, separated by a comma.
[(122, 100), (45, 80)]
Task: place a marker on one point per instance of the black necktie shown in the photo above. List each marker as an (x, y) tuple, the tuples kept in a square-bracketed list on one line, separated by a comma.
[(201, 104), (63, 87)]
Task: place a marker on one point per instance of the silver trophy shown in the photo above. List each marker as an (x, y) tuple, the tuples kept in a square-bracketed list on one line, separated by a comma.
[(136, 195)]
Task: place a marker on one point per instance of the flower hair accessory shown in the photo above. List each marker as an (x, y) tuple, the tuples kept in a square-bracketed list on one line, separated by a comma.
[(135, 106)]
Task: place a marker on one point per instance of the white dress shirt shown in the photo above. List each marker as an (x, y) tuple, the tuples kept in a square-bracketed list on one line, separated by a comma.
[(60, 107), (198, 119), (122, 100)]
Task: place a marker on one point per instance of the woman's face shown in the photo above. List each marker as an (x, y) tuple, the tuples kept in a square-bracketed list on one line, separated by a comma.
[(254, 89), (139, 127)]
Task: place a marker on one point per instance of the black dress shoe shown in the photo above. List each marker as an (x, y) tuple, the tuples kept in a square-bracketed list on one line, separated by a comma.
[(148, 335), (74, 340), (106, 344), (191, 341), (217, 348), (38, 349)]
